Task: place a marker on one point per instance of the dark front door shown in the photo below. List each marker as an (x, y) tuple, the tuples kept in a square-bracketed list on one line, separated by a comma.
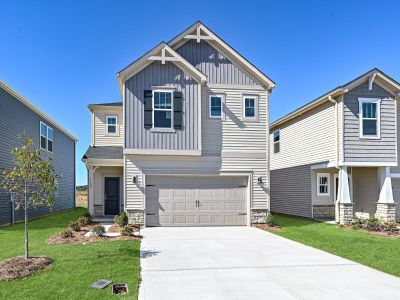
[(111, 195)]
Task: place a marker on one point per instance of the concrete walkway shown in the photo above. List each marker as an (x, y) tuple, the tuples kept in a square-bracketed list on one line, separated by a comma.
[(247, 263)]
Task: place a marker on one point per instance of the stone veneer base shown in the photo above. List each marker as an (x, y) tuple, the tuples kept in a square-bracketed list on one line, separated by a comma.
[(386, 211), (258, 216), (135, 216), (324, 212), (344, 213)]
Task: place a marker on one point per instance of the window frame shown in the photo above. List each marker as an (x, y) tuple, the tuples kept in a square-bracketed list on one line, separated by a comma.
[(328, 176), (46, 137), (116, 133), (220, 117), (377, 101), (171, 91), (255, 117), (276, 142)]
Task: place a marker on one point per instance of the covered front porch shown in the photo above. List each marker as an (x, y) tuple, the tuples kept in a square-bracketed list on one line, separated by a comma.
[(346, 192)]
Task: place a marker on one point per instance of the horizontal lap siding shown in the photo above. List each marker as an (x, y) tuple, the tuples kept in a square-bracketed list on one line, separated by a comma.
[(365, 150), (16, 118), (167, 75), (100, 137), (291, 191), (310, 138), (216, 66)]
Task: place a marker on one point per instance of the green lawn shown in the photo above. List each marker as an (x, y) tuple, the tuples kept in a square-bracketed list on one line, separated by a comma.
[(74, 268), (382, 253)]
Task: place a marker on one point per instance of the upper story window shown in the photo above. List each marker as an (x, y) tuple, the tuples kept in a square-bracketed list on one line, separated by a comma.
[(250, 108), (323, 184), (215, 107), (277, 140), (46, 137), (111, 125), (162, 109), (369, 117)]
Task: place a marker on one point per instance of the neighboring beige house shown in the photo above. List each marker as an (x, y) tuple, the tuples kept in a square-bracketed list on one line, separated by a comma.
[(188, 144), (337, 156)]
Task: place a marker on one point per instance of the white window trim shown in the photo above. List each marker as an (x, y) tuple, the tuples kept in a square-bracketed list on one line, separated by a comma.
[(222, 107), (328, 175), (171, 91), (378, 117), (255, 118), (46, 137), (116, 126), (278, 142)]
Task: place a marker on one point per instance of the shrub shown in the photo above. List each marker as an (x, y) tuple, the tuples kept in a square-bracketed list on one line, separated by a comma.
[(99, 230), (127, 231), (83, 221), (75, 225), (89, 216), (390, 227), (270, 220), (358, 223), (66, 233), (373, 224), (121, 219)]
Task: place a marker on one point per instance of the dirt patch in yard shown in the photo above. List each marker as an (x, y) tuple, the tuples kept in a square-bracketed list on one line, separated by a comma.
[(266, 227), (383, 233), (78, 237), (19, 267)]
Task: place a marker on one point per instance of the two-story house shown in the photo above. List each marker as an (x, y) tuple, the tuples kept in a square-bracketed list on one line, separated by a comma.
[(18, 116), (337, 156), (188, 144)]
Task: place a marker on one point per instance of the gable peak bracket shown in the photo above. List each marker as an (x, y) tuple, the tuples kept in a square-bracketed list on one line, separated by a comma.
[(198, 36), (371, 80)]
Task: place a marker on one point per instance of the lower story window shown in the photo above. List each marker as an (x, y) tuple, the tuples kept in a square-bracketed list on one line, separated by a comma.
[(323, 184)]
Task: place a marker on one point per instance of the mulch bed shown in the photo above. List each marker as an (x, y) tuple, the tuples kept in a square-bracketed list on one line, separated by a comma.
[(383, 233), (266, 227), (78, 237), (19, 267)]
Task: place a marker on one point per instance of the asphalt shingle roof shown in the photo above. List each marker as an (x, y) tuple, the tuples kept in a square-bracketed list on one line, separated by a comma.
[(104, 152)]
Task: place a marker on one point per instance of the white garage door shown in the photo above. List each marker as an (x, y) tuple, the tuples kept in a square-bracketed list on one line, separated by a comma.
[(195, 201)]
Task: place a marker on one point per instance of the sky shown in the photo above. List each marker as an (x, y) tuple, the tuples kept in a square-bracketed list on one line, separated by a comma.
[(63, 55)]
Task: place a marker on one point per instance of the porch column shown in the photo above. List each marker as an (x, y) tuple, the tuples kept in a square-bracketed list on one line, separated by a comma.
[(385, 207), (91, 172), (344, 205)]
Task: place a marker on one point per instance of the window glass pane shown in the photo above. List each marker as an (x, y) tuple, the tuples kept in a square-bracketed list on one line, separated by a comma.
[(369, 127), (111, 120), (249, 112), (276, 147), (276, 136), (42, 142), (369, 110), (249, 107), (249, 102), (215, 106), (43, 129), (50, 133), (50, 145), (162, 119), (323, 180), (112, 129), (163, 100)]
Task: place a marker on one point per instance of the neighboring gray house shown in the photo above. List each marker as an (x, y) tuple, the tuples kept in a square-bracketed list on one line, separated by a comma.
[(18, 115), (337, 156), (188, 145)]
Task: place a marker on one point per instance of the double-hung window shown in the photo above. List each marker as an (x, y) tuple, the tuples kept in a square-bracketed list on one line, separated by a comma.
[(323, 184), (215, 107), (369, 117), (277, 140), (111, 125), (46, 137), (162, 109), (249, 108)]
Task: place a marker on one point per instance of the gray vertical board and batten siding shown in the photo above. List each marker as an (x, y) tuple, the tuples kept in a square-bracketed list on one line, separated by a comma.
[(212, 63), (366, 150), (16, 118), (291, 191), (168, 75)]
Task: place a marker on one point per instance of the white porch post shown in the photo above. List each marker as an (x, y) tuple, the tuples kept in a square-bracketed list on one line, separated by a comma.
[(344, 205), (91, 195), (385, 208)]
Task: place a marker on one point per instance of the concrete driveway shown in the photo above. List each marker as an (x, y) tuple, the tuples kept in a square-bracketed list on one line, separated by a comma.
[(247, 263)]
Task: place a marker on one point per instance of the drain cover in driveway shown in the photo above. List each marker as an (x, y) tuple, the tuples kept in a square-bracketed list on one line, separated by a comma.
[(101, 284)]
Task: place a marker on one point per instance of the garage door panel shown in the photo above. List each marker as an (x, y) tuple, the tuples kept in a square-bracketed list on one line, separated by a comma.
[(173, 200)]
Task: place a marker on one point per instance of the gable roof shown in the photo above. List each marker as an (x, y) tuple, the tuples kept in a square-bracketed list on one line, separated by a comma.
[(216, 42), (167, 54), (103, 152), (34, 108), (101, 105), (374, 75)]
